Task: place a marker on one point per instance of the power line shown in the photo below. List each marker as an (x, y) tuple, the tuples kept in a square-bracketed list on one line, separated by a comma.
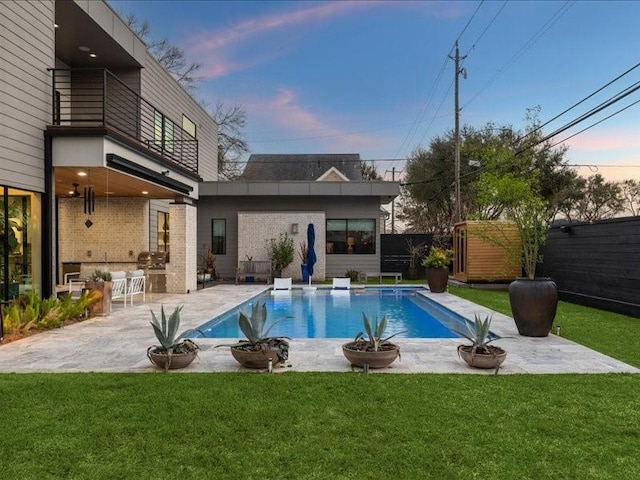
[(580, 102)]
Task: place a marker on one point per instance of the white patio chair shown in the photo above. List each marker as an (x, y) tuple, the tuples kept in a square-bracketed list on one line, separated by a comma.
[(281, 285), (340, 283)]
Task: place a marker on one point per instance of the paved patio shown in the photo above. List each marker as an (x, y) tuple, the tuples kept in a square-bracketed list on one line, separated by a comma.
[(118, 343)]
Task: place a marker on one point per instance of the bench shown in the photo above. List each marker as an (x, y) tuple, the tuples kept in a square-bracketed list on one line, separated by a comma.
[(256, 269), (364, 276)]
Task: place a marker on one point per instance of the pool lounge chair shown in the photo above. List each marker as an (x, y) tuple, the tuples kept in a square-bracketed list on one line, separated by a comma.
[(281, 285), (341, 285)]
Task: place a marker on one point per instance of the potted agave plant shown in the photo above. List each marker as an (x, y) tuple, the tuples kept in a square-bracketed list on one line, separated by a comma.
[(372, 351), (258, 350), (480, 354), (173, 352)]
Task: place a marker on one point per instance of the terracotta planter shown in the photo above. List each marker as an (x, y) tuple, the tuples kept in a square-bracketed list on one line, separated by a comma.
[(533, 305), (379, 359), (256, 358), (438, 278), (175, 360), (482, 360)]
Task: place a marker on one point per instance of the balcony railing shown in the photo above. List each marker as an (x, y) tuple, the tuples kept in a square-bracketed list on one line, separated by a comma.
[(97, 98)]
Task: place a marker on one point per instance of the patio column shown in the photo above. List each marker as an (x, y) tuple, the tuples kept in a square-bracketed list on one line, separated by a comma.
[(183, 260)]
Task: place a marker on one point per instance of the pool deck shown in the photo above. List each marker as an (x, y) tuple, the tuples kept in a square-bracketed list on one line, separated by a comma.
[(118, 343)]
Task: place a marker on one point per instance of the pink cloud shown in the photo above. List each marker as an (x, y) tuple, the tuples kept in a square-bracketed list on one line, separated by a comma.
[(606, 141), (285, 110)]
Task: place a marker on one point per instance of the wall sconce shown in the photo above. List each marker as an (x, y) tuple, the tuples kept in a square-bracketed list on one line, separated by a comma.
[(294, 228), (565, 229)]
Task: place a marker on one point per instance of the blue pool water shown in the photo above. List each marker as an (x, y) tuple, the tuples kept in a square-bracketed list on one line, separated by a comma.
[(323, 315)]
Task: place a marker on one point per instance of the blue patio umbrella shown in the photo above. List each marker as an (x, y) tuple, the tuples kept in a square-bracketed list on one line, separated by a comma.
[(311, 255)]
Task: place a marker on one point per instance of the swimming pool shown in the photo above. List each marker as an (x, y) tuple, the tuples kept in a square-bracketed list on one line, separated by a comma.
[(325, 315)]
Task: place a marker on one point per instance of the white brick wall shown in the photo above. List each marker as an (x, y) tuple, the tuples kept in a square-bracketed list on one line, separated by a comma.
[(182, 270), (255, 228)]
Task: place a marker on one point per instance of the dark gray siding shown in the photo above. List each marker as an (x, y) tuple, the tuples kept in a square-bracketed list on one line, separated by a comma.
[(26, 51), (343, 207), (159, 88)]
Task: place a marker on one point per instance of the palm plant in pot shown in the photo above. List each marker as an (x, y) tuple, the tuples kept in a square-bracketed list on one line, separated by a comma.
[(372, 350), (480, 354), (437, 264), (258, 350), (173, 351)]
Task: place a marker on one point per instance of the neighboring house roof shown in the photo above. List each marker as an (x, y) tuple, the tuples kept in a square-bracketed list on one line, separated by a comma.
[(304, 167)]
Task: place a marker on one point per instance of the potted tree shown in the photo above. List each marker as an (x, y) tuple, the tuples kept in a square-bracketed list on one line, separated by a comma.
[(480, 354), (437, 264), (281, 252), (173, 352), (533, 300), (258, 350), (372, 351), (100, 282)]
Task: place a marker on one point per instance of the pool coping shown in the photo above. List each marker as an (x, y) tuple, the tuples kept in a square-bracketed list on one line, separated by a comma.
[(118, 343)]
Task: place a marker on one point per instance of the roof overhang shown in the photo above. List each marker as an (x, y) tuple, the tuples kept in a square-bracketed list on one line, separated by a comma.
[(385, 191)]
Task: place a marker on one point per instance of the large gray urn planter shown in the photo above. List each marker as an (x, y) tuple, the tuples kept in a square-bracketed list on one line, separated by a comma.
[(533, 305)]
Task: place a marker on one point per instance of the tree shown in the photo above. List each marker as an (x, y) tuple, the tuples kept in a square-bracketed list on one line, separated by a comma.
[(369, 172), (597, 199), (630, 191), (231, 144), (170, 56)]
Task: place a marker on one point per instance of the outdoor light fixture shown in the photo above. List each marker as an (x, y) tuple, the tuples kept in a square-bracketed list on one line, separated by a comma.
[(294, 228), (565, 229)]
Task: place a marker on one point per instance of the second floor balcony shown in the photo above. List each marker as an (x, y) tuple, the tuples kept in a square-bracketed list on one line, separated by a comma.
[(85, 98)]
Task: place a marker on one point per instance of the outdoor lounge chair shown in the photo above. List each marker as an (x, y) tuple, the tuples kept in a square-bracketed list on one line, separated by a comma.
[(341, 285), (281, 285)]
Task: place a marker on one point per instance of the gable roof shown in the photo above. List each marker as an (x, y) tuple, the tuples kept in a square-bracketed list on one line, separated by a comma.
[(305, 167)]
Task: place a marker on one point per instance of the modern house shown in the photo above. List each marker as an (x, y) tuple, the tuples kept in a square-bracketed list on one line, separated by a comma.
[(280, 194), (101, 150)]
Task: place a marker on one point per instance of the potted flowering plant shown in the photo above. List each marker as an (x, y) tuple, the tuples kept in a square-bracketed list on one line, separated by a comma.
[(437, 264)]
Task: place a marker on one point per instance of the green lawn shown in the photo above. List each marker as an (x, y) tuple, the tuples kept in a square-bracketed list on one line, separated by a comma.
[(319, 425), (333, 426)]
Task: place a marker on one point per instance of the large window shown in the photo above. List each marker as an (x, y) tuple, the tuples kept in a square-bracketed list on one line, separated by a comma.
[(20, 245), (219, 236), (357, 236), (163, 132)]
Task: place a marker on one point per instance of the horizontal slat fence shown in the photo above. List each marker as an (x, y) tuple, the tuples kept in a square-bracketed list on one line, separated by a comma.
[(596, 264)]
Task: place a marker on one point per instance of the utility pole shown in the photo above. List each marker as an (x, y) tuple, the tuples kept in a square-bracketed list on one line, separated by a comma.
[(456, 107), (393, 215)]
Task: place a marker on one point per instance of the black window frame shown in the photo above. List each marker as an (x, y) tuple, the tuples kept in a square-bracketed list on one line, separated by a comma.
[(219, 247), (336, 246)]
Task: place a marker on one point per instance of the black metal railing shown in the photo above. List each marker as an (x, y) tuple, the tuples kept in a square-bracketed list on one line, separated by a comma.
[(96, 97)]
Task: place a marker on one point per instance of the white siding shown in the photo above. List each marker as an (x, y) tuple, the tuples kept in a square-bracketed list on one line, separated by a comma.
[(26, 51), (159, 88)]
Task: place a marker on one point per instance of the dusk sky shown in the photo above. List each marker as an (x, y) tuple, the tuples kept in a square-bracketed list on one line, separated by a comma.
[(375, 78)]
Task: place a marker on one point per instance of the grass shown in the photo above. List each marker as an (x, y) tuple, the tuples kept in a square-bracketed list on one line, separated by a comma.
[(610, 333), (318, 426), (338, 426)]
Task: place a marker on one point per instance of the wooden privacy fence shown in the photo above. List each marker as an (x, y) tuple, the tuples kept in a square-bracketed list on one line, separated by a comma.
[(596, 264)]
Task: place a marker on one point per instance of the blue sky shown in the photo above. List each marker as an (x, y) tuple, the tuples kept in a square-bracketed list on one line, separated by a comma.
[(374, 77)]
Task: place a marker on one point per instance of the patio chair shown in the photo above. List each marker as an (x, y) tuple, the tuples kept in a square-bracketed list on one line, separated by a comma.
[(76, 288), (281, 285), (341, 286)]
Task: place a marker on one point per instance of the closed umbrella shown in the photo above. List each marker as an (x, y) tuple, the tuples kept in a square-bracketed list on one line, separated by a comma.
[(311, 255)]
